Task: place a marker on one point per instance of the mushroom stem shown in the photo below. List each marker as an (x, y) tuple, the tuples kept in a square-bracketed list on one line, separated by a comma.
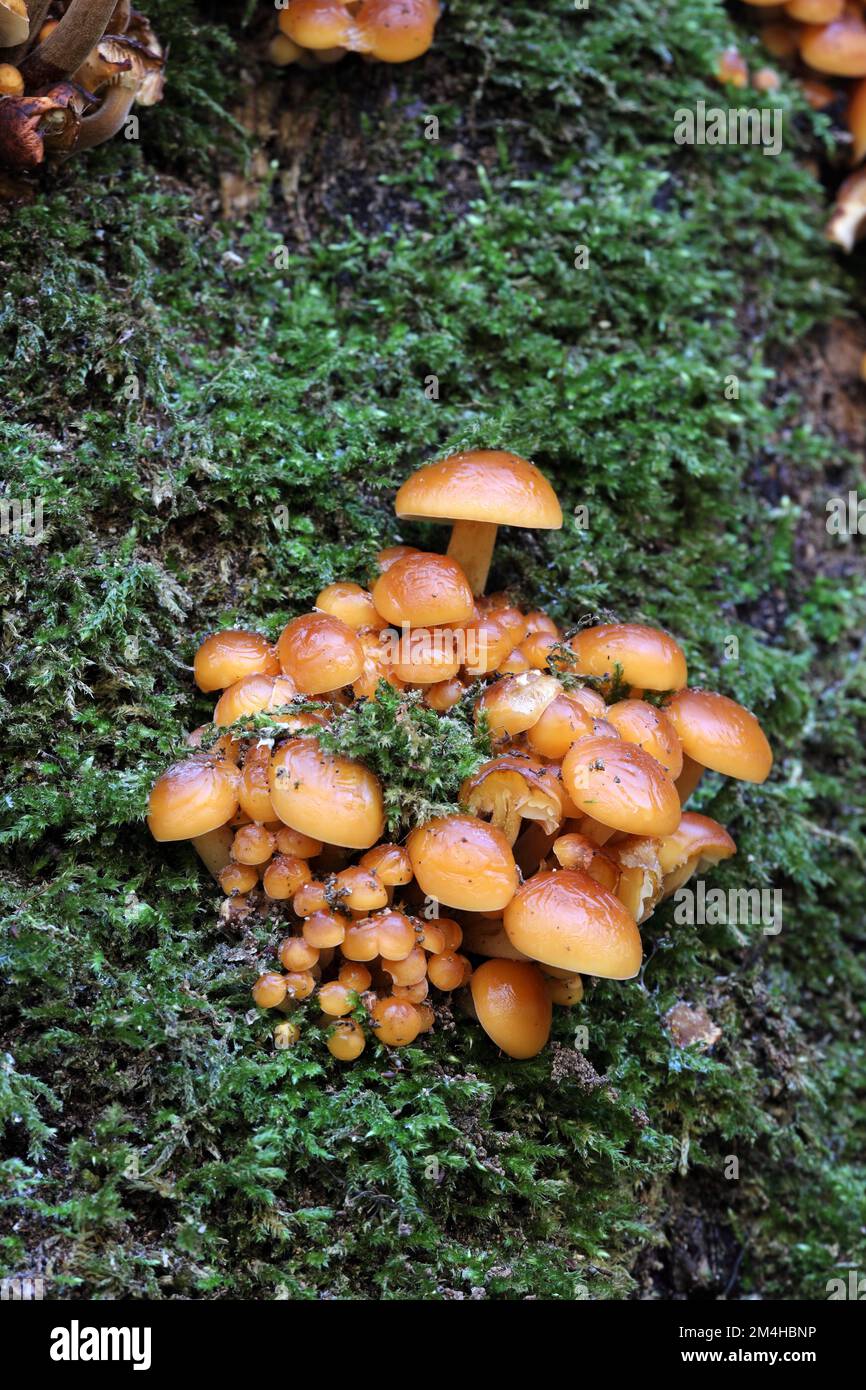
[(107, 121), (471, 545), (68, 45), (689, 778), (594, 830), (214, 848)]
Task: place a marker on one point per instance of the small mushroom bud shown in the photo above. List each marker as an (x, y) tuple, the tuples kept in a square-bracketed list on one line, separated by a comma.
[(396, 935), (346, 1040), (395, 1021), (285, 876), (253, 845), (286, 1034), (395, 31), (297, 846), (323, 929), (444, 695), (282, 51), (361, 941), (236, 879), (299, 984), (838, 48), (409, 970), (11, 81), (297, 954), (269, 990), (446, 970), (317, 24), (335, 999), (562, 723), (350, 604), (355, 976), (360, 889), (390, 863)]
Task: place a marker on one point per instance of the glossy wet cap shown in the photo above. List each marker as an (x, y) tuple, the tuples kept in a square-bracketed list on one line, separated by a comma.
[(513, 1005), (620, 786), (646, 656), (463, 862), (193, 797), (481, 485), (424, 590), (720, 734), (226, 657), (331, 798), (320, 653), (565, 918)]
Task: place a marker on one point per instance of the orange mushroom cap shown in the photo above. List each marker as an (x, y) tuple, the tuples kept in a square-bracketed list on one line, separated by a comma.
[(350, 603), (317, 24), (839, 47), (226, 657), (647, 656), (326, 796), (486, 485), (696, 837), (513, 1006), (514, 704), (720, 734), (563, 917), (815, 11), (396, 31), (563, 722), (192, 798), (320, 653), (423, 590), (619, 785), (463, 862), (650, 729), (255, 695), (510, 788)]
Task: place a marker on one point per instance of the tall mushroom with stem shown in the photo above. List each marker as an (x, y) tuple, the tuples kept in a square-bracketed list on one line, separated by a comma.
[(479, 491)]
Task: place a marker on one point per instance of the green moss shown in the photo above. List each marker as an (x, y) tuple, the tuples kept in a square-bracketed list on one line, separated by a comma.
[(215, 438)]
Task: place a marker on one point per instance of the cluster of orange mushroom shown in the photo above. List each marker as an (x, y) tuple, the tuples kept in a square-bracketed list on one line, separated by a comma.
[(70, 73), (564, 840), (316, 32), (824, 43)]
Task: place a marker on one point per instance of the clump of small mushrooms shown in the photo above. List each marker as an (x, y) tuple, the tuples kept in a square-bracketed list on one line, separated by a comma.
[(823, 43), (564, 842), (316, 32), (70, 74)]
